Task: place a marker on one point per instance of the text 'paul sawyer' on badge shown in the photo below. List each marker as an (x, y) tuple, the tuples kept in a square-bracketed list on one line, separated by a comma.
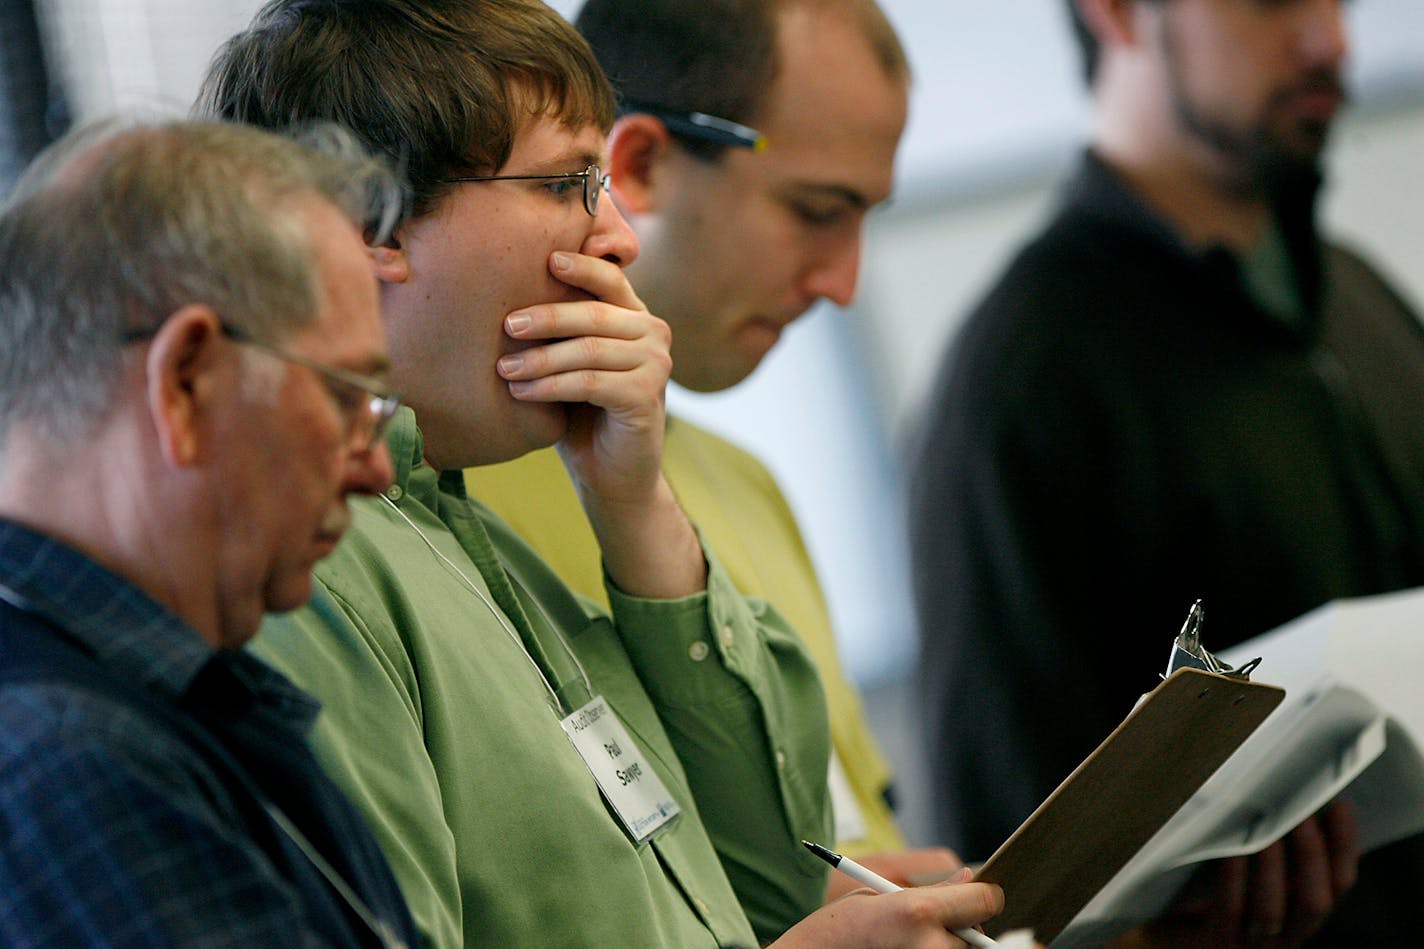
[(637, 794)]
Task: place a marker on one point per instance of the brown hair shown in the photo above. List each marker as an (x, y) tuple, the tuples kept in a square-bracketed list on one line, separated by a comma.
[(439, 86)]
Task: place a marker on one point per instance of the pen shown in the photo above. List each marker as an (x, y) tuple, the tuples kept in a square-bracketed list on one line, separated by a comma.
[(881, 885)]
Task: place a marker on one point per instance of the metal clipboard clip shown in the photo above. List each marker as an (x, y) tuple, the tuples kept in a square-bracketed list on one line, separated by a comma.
[(1188, 652)]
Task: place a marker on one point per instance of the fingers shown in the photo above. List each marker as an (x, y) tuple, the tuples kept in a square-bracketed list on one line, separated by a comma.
[(587, 340), (923, 866), (1341, 830), (967, 904), (604, 349), (1311, 878), (608, 351), (602, 279), (1232, 876), (951, 906), (1266, 900), (920, 918), (1296, 882), (1276, 899), (917, 867), (554, 321), (1291, 886)]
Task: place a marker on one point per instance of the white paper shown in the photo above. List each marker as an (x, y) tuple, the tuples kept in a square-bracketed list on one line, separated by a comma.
[(1351, 725)]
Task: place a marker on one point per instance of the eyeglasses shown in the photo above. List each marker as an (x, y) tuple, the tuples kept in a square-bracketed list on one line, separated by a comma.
[(366, 403), (698, 125), (595, 182)]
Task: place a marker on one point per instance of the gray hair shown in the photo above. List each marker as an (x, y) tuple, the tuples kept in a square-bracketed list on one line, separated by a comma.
[(119, 225)]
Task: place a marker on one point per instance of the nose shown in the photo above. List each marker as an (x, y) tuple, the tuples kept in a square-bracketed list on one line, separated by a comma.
[(611, 238), (833, 277), (1324, 38), (369, 471)]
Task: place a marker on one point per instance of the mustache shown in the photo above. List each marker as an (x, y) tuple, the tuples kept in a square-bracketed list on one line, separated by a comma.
[(1322, 80)]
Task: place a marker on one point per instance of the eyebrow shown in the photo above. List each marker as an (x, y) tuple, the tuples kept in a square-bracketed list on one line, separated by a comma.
[(560, 164), (843, 192)]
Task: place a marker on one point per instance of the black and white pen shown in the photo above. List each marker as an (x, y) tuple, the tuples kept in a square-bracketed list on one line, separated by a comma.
[(881, 885)]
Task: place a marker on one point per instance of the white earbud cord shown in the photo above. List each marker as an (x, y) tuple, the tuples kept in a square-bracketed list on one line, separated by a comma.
[(499, 615), (382, 931)]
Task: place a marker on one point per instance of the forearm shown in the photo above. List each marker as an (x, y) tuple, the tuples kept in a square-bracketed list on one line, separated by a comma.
[(649, 547), (743, 706)]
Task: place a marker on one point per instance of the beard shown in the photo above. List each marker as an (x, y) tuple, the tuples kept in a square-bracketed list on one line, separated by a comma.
[(1278, 150)]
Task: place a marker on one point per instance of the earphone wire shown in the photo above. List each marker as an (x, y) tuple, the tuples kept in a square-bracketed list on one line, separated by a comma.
[(480, 594)]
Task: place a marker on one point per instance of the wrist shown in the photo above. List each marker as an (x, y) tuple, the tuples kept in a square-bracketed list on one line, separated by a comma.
[(649, 548)]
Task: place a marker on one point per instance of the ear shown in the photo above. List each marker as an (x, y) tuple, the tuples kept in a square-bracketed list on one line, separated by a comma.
[(638, 151), (390, 261), (1112, 22), (181, 382)]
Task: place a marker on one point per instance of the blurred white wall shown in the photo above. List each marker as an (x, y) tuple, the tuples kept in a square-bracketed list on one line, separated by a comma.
[(997, 114), (137, 55)]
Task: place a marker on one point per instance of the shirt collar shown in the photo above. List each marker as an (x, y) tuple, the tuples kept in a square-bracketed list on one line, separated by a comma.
[(1100, 192), (406, 446), (413, 476), (1099, 188), (130, 633), (122, 626)]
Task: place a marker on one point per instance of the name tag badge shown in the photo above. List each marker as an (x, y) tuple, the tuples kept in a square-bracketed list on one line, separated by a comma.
[(637, 794)]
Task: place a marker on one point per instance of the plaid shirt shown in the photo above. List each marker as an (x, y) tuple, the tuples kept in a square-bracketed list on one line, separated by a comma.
[(136, 772)]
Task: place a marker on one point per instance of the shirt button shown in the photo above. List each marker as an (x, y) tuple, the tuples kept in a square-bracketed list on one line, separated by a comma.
[(727, 637), (698, 651), (701, 906), (780, 760), (395, 492)]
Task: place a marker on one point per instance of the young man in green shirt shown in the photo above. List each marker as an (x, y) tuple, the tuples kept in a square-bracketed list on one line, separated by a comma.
[(754, 138)]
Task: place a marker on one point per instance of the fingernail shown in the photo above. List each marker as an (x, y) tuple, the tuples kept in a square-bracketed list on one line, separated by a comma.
[(561, 260), (517, 323), (510, 364)]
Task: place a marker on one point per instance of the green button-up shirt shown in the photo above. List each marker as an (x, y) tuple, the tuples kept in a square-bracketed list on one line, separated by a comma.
[(429, 642)]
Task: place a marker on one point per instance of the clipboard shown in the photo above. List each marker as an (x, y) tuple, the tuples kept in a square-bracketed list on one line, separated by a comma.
[(1122, 794)]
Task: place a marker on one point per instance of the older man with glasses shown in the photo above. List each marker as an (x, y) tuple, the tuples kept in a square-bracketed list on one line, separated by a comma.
[(156, 788)]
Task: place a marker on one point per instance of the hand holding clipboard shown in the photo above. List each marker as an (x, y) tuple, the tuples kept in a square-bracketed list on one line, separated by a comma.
[(1112, 803)]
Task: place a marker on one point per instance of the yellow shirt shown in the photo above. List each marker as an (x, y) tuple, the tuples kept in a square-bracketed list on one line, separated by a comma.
[(743, 516)]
